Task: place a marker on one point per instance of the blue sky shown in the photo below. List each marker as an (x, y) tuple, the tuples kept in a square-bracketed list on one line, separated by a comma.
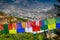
[(9, 1)]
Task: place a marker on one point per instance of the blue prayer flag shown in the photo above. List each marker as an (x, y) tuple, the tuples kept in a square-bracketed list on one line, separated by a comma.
[(57, 25), (19, 28)]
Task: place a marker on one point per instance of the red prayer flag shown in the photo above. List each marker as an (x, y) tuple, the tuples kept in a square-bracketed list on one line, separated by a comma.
[(1, 27), (10, 26), (14, 25), (35, 27)]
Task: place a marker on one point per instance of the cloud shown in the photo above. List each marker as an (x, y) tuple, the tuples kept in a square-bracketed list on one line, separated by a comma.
[(28, 3), (33, 8)]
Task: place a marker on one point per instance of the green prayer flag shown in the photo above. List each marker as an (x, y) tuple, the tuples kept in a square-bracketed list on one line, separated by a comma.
[(58, 20), (45, 22), (5, 31), (45, 25)]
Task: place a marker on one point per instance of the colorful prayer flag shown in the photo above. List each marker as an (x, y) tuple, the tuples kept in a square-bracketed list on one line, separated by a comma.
[(10, 26), (28, 24), (28, 28), (44, 25), (58, 22), (51, 21), (12, 31), (14, 25), (1, 27), (34, 26), (58, 25), (19, 28), (51, 24), (5, 31), (23, 24)]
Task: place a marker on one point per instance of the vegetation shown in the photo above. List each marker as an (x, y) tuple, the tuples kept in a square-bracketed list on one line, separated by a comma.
[(21, 36)]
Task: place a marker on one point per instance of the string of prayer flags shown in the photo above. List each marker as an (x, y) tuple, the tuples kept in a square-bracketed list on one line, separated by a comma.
[(31, 26)]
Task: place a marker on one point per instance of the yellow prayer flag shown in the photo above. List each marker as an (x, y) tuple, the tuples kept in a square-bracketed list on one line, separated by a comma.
[(12, 31), (23, 24), (51, 26)]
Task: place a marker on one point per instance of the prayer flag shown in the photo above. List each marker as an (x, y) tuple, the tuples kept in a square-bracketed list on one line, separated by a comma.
[(5, 31), (1, 27), (23, 24), (51, 21), (19, 28), (44, 25), (13, 31), (28, 28), (28, 24), (58, 22), (58, 25), (51, 24), (10, 26), (35, 27), (14, 25)]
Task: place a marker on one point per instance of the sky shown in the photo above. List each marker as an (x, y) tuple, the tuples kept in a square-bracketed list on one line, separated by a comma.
[(25, 6)]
